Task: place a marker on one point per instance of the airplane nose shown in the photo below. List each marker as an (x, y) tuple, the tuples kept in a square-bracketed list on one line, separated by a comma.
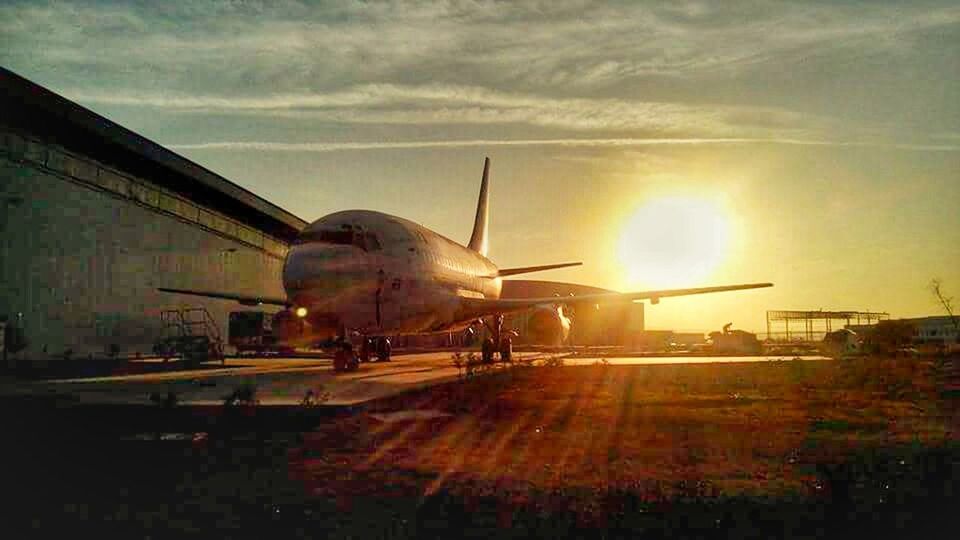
[(313, 272)]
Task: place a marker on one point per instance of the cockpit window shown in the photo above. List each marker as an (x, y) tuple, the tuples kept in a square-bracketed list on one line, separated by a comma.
[(365, 241), (327, 237), (372, 242)]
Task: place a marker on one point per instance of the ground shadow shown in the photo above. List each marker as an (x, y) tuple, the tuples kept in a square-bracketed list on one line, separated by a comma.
[(86, 368)]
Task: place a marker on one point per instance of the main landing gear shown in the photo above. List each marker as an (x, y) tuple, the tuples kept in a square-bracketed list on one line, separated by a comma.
[(498, 342), (347, 358), (375, 346)]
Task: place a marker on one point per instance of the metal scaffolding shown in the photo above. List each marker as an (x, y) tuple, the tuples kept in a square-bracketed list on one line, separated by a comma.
[(809, 319)]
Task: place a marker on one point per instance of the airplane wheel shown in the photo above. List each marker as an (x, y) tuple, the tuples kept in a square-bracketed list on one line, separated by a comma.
[(486, 351), (383, 349), (506, 350), (365, 348)]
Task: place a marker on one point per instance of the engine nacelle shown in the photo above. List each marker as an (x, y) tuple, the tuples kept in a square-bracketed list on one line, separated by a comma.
[(287, 327), (290, 329), (548, 325)]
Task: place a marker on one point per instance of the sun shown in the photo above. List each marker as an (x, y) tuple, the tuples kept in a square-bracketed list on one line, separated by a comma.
[(673, 241)]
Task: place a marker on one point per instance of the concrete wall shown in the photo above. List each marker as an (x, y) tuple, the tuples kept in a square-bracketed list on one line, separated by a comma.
[(612, 324), (83, 248)]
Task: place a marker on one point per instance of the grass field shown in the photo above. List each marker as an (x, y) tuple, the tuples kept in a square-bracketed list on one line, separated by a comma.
[(712, 450)]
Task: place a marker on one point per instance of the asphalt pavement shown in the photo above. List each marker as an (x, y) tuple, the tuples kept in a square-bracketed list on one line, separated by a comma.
[(289, 381)]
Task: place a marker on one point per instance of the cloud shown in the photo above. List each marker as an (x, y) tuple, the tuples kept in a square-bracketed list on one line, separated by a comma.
[(290, 45), (396, 104), (613, 143), (680, 68)]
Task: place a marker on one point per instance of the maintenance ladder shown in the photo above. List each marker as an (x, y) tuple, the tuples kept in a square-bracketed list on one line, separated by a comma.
[(192, 333)]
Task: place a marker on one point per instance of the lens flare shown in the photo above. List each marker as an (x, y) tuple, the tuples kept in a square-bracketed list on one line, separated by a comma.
[(673, 241)]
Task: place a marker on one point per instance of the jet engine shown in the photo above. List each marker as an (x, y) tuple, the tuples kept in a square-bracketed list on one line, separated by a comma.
[(287, 327), (302, 329), (548, 325)]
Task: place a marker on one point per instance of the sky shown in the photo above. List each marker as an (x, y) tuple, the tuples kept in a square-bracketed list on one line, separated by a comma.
[(815, 145)]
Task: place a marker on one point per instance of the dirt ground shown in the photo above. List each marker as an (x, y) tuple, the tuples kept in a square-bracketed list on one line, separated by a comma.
[(778, 449)]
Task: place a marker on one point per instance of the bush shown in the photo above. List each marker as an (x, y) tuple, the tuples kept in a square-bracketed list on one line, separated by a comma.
[(245, 394), (897, 378)]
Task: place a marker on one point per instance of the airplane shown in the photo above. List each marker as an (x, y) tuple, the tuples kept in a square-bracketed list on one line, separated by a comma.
[(362, 273)]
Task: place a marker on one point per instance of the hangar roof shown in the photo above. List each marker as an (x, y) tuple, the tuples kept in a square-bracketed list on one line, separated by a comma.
[(37, 110)]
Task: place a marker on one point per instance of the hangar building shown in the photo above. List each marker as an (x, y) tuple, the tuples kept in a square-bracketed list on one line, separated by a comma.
[(93, 218)]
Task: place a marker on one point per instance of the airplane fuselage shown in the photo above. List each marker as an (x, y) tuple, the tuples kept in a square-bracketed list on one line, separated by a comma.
[(375, 274)]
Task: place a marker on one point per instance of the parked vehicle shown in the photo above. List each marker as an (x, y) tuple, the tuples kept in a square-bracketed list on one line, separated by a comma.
[(251, 332)]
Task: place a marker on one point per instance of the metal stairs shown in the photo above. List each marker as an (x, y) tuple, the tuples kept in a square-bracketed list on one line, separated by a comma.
[(191, 333)]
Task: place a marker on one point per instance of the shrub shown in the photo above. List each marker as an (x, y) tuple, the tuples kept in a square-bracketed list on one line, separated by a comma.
[(245, 394)]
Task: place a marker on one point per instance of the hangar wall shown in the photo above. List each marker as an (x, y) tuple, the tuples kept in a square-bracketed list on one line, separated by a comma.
[(83, 247)]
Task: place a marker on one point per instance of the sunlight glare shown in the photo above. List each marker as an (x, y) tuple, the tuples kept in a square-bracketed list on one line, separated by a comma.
[(673, 241)]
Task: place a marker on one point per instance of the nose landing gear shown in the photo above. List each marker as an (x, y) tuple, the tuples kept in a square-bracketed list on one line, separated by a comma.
[(384, 349)]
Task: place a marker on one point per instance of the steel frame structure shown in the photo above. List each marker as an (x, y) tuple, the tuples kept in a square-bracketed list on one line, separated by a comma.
[(809, 319)]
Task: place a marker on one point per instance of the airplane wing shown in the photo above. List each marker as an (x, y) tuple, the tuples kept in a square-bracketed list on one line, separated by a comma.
[(245, 300), (479, 307), (504, 272)]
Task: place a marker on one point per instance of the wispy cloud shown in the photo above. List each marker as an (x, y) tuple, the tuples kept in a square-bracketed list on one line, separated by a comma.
[(400, 104), (690, 68), (292, 44), (622, 142)]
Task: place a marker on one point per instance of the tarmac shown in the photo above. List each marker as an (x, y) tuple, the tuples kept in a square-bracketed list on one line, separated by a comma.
[(290, 381)]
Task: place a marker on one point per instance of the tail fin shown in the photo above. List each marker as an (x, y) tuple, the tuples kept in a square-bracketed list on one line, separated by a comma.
[(478, 240)]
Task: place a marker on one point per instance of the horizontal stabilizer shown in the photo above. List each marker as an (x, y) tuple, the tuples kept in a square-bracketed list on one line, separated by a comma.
[(245, 300), (504, 272)]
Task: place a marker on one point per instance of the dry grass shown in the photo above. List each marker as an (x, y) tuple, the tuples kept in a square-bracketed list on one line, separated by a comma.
[(801, 449), (741, 429)]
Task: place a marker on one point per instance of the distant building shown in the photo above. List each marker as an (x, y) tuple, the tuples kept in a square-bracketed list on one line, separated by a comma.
[(933, 330), (665, 340), (651, 340), (687, 339), (841, 342), (734, 341)]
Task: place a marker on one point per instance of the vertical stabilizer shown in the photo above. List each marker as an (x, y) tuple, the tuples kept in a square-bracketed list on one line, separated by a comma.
[(478, 240)]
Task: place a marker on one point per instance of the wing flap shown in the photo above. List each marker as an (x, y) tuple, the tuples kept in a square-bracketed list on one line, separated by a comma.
[(246, 300)]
